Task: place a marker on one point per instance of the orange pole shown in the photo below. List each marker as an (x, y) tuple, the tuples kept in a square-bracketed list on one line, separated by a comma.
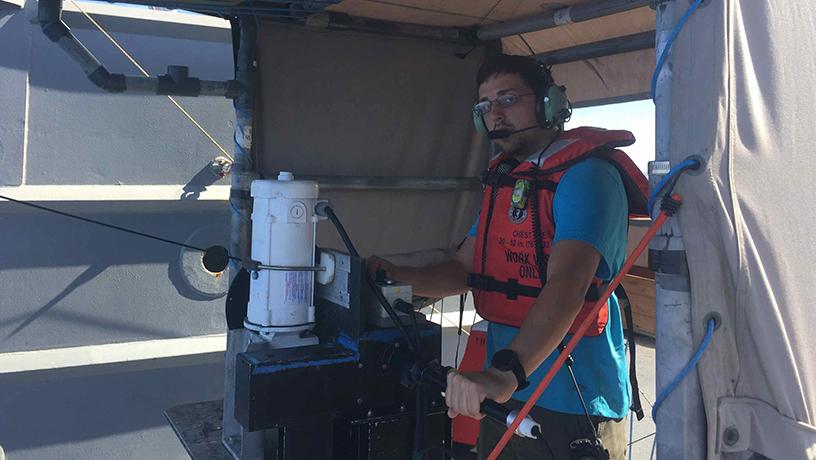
[(579, 333)]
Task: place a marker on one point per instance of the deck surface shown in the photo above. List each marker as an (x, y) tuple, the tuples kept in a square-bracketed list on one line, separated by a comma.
[(198, 426)]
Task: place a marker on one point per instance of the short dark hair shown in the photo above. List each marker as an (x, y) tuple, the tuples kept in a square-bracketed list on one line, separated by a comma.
[(534, 75)]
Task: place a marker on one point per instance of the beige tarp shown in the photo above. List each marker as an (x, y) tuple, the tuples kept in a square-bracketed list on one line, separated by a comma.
[(624, 76), (348, 104), (743, 98)]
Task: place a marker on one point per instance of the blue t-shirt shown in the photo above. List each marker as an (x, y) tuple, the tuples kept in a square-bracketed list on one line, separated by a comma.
[(589, 205)]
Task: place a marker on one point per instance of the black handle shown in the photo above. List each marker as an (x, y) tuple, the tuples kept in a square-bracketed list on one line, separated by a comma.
[(436, 375), (495, 410)]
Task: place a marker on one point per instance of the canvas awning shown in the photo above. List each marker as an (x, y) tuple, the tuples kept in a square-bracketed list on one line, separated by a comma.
[(609, 78)]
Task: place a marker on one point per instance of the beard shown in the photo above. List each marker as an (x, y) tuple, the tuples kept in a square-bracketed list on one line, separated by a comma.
[(517, 144)]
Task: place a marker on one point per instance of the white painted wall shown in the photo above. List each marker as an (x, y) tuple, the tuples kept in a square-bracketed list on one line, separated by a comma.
[(112, 310)]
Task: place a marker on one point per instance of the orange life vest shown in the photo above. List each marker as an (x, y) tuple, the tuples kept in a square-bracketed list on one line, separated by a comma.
[(514, 238)]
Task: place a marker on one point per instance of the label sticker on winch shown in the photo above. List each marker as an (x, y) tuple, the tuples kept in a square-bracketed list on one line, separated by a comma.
[(296, 288)]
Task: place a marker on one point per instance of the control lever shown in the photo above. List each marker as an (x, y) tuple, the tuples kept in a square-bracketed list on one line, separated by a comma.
[(437, 375)]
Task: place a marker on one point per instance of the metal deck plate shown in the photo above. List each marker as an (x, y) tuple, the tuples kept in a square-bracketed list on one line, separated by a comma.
[(198, 426)]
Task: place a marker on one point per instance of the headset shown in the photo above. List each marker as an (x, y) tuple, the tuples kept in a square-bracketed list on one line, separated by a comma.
[(552, 107)]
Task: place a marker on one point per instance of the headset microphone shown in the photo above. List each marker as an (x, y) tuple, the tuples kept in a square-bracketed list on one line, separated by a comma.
[(505, 133)]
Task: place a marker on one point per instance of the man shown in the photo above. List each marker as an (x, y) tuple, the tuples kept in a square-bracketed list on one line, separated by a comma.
[(554, 214)]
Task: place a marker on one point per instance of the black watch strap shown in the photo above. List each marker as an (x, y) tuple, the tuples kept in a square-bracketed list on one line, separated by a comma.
[(507, 360)]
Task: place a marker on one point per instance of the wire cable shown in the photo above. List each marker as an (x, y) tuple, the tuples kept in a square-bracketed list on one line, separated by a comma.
[(459, 329), (329, 212), (481, 21), (642, 438), (448, 320), (107, 225), (532, 52), (664, 53), (144, 72)]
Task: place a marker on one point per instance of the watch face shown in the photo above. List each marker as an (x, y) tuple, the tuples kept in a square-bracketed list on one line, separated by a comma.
[(503, 359)]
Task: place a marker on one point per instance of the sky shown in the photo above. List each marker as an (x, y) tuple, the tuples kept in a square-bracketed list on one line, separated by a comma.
[(637, 117)]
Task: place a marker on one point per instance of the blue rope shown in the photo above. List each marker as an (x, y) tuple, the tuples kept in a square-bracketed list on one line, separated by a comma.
[(664, 54), (240, 110), (693, 362), (686, 164)]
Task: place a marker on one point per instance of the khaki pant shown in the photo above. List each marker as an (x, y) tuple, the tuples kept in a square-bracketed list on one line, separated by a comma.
[(558, 430)]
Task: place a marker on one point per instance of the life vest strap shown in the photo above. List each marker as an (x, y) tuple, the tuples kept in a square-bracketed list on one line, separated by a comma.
[(512, 289), (498, 180), (626, 306)]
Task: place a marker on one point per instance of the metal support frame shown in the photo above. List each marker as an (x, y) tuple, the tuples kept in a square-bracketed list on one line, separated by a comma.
[(680, 422), (395, 183), (241, 444), (619, 45), (175, 82), (340, 21), (567, 15), (243, 172)]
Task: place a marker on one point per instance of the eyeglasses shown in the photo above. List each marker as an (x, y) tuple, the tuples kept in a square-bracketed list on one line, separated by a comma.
[(504, 101)]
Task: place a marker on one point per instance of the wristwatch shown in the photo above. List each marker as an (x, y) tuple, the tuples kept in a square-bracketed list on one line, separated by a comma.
[(507, 360)]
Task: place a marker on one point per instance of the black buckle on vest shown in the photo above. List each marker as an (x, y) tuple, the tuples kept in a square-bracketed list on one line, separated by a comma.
[(497, 179), (510, 288)]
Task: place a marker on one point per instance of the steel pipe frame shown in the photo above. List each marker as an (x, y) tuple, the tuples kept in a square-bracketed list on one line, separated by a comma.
[(680, 422), (619, 45), (395, 183), (567, 15), (49, 13), (331, 20)]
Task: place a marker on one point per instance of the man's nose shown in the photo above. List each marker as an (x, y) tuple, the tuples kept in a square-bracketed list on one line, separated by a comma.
[(495, 116)]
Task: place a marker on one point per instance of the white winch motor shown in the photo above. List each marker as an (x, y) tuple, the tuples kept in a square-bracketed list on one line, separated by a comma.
[(281, 296)]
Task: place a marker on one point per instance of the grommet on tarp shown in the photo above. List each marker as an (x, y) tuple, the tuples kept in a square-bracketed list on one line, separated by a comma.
[(731, 436), (701, 165), (712, 316)]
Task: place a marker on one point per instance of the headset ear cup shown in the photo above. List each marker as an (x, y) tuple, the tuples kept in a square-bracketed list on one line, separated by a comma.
[(556, 106), (479, 123), (544, 109)]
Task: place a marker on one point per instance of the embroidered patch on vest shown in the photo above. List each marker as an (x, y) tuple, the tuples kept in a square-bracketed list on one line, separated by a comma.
[(517, 215)]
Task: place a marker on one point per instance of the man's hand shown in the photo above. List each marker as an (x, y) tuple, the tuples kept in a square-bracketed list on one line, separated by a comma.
[(467, 390), (437, 280), (375, 263)]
